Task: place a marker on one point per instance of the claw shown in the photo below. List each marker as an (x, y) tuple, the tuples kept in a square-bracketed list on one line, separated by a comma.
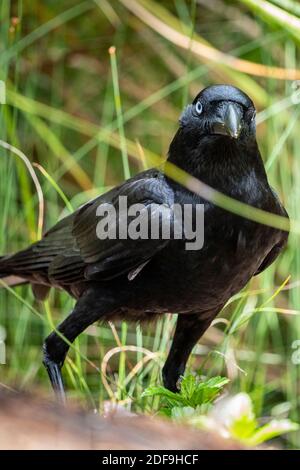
[(178, 383), (54, 372), (171, 381)]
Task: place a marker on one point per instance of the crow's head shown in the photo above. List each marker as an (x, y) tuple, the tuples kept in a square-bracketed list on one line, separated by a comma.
[(217, 134), (220, 110)]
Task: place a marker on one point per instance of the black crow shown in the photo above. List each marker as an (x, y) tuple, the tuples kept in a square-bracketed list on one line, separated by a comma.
[(137, 279)]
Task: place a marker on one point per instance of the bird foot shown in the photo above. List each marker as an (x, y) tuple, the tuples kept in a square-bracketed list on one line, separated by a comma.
[(54, 373), (171, 381)]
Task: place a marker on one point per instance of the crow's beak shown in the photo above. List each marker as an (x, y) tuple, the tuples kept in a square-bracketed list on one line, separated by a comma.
[(230, 125)]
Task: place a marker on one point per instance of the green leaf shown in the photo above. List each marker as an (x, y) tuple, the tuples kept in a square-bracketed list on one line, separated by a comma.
[(273, 429), (192, 394), (207, 391), (188, 386), (182, 412), (243, 427), (162, 392)]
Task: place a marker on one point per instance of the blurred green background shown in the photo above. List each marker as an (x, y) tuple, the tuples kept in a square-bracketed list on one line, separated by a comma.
[(89, 118)]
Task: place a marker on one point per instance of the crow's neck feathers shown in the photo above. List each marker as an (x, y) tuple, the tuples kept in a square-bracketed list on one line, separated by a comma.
[(218, 161)]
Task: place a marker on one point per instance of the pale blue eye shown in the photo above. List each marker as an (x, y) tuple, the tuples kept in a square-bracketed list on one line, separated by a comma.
[(198, 107)]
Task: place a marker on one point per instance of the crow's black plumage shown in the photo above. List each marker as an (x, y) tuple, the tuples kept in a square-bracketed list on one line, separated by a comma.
[(138, 279)]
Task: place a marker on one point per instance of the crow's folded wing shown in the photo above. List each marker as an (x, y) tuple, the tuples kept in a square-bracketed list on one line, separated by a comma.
[(97, 255), (276, 250), (270, 258)]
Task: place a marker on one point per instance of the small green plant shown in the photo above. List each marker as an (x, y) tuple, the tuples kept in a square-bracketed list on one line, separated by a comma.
[(194, 395), (232, 417)]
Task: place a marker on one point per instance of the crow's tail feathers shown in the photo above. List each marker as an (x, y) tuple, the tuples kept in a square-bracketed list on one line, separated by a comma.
[(7, 275), (40, 291), (4, 272)]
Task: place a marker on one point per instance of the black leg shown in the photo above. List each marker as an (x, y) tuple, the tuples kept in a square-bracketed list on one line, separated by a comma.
[(88, 309), (54, 373), (189, 330)]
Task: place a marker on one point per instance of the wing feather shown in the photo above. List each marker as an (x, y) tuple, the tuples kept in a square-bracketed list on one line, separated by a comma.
[(90, 257)]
